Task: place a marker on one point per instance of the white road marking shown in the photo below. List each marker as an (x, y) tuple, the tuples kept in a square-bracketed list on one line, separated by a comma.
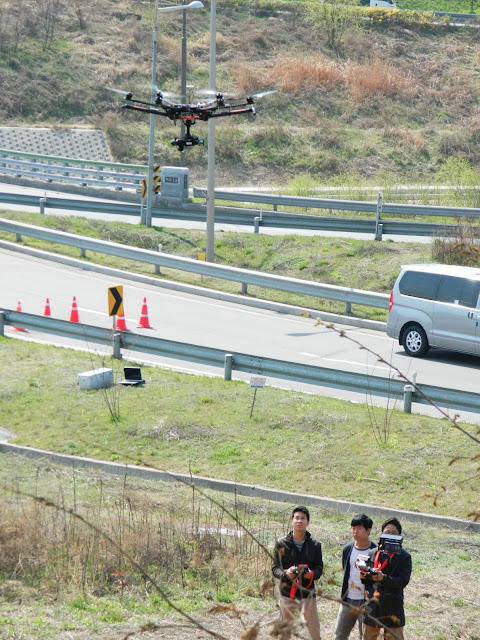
[(358, 364)]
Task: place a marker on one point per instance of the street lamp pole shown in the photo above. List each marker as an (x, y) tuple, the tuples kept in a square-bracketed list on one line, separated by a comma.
[(210, 232), (195, 4), (151, 137), (183, 80)]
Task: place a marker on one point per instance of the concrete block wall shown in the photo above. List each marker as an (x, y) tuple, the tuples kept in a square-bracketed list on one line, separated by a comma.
[(88, 144)]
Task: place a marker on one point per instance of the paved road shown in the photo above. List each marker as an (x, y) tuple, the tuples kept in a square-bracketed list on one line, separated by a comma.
[(199, 320)]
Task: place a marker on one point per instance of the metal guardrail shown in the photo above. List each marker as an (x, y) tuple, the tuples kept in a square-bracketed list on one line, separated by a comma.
[(73, 170), (257, 218), (99, 206), (460, 17), (245, 363), (343, 205), (74, 161), (244, 276), (33, 165), (378, 226)]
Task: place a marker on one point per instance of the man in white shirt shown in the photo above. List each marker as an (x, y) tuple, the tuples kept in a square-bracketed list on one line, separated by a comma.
[(353, 591)]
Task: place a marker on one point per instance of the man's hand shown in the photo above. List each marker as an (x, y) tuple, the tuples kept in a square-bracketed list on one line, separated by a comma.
[(308, 575), (291, 572), (378, 576)]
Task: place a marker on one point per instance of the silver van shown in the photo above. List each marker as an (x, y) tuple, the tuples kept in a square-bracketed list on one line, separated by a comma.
[(435, 305)]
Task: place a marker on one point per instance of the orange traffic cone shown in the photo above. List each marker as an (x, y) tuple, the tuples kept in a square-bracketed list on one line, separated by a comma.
[(143, 322), (47, 308), (19, 308), (121, 324), (74, 313)]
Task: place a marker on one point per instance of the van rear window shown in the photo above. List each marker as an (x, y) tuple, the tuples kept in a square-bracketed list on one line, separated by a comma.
[(458, 291), (450, 289), (419, 284), (470, 291)]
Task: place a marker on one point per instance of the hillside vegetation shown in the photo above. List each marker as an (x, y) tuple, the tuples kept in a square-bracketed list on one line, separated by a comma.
[(396, 94)]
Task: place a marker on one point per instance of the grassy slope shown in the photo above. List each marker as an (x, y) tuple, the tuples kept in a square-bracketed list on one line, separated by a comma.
[(208, 430), (392, 98)]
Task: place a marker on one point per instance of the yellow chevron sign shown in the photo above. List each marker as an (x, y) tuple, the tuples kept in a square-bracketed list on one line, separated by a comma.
[(156, 181), (115, 301), (156, 178)]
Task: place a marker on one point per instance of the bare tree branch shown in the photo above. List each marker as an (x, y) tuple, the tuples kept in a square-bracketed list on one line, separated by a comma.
[(343, 334)]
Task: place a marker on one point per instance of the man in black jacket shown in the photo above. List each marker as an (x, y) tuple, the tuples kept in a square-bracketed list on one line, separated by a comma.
[(384, 587), (297, 564), (353, 591)]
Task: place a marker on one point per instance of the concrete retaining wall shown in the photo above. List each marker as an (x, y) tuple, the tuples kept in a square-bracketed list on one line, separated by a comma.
[(251, 491)]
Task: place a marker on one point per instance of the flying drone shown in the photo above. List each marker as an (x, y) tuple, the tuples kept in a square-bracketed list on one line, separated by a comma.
[(215, 107)]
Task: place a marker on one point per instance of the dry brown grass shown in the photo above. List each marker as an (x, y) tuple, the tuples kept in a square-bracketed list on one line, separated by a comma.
[(293, 74), (410, 141), (378, 78), (47, 546), (462, 249), (363, 80)]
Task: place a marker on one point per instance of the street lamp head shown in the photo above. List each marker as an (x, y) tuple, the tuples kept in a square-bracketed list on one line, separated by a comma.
[(195, 4)]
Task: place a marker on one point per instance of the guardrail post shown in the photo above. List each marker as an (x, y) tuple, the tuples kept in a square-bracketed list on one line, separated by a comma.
[(157, 266), (43, 202), (117, 338), (348, 308), (407, 398), (227, 374), (256, 224), (244, 288), (83, 253), (18, 237), (378, 225), (2, 323)]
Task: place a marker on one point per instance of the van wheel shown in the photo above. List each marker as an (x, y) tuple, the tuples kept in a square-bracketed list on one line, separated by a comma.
[(415, 341)]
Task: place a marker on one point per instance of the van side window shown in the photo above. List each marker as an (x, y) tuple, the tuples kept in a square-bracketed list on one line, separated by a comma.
[(419, 285), (470, 291), (450, 289)]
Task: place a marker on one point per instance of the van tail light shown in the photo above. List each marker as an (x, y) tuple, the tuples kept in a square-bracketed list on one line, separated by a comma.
[(390, 303)]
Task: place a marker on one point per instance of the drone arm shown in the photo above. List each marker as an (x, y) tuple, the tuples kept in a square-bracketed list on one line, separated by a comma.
[(231, 112), (147, 109)]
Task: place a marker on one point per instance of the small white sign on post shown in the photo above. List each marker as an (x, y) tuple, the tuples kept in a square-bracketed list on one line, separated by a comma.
[(256, 382)]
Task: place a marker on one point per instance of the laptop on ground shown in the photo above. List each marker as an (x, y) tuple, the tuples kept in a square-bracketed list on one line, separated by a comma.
[(133, 376)]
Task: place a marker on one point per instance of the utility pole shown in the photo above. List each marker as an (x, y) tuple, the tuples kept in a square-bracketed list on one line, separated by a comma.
[(210, 240)]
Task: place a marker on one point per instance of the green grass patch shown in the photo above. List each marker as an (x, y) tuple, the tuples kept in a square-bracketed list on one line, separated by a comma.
[(162, 425)]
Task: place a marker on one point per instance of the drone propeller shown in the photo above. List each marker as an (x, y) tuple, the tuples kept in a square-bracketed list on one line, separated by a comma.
[(121, 91), (263, 93), (212, 92), (165, 94)]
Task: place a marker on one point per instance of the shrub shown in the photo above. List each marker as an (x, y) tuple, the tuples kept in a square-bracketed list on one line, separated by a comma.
[(378, 77)]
